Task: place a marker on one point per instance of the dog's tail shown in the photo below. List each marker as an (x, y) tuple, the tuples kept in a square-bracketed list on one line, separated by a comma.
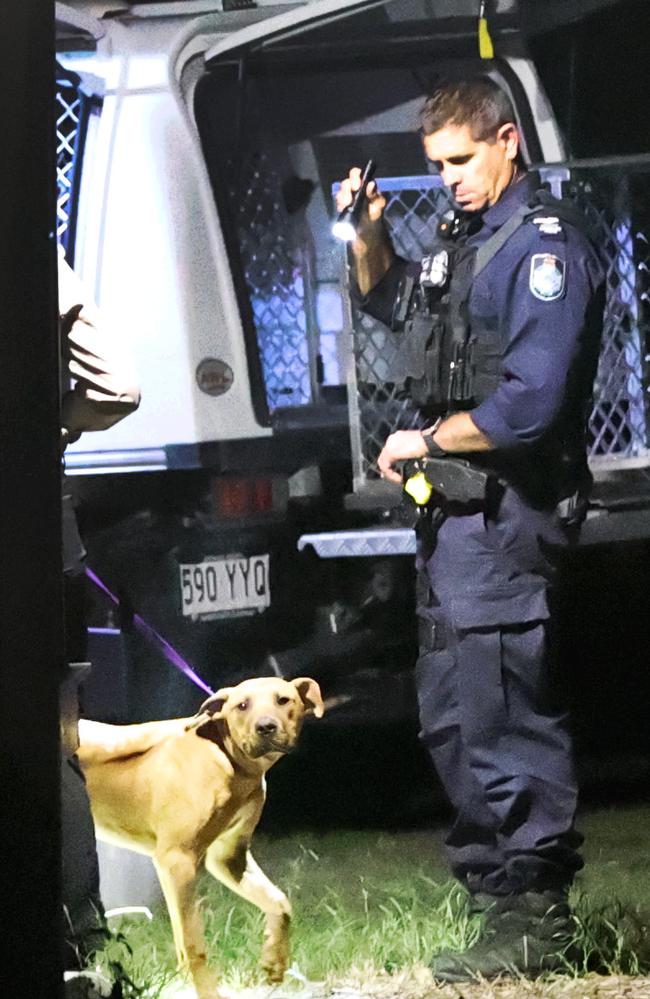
[(100, 743)]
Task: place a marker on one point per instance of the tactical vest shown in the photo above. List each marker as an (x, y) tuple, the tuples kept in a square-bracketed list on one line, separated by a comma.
[(444, 362)]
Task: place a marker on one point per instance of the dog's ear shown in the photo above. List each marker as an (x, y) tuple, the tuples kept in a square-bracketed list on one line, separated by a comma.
[(310, 694), (215, 702), (211, 709)]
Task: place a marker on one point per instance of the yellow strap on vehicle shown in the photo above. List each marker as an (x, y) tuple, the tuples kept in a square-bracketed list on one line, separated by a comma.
[(418, 488), (485, 47)]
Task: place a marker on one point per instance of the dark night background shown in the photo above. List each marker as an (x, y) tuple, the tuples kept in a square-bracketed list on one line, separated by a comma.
[(595, 72)]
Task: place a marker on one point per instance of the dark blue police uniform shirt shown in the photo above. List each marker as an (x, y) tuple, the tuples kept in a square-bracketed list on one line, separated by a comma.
[(543, 338), (548, 335), (492, 568)]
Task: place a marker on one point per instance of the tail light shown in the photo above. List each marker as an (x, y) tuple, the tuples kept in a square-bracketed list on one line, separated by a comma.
[(234, 497)]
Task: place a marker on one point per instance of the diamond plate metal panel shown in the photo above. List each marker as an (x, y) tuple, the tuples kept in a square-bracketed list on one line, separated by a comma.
[(359, 544)]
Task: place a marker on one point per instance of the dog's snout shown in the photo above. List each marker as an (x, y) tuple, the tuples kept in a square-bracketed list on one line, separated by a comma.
[(266, 725)]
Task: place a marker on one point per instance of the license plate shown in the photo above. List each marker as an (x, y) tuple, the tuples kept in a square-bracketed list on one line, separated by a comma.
[(225, 584)]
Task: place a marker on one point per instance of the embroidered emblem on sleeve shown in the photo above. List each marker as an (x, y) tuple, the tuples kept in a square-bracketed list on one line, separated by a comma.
[(547, 274)]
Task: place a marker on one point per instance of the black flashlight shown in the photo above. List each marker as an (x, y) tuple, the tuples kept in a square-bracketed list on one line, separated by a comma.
[(345, 227)]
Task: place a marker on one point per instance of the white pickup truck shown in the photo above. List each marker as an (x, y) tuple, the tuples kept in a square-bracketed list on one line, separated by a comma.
[(198, 145)]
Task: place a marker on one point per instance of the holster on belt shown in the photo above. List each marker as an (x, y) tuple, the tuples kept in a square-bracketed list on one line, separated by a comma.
[(453, 480)]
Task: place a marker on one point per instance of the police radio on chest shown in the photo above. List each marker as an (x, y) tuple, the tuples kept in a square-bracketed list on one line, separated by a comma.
[(435, 269)]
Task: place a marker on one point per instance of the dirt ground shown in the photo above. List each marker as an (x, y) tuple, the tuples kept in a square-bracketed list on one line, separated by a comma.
[(420, 986)]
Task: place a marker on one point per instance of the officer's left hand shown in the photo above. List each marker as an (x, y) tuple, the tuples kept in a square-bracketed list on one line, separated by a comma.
[(400, 446)]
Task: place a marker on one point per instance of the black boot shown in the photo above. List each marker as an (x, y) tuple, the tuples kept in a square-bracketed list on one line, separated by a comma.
[(524, 935)]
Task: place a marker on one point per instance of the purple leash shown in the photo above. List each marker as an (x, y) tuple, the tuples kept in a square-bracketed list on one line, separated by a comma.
[(145, 629)]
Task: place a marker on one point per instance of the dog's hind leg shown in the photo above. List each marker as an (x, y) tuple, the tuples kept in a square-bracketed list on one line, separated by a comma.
[(177, 873), (241, 874)]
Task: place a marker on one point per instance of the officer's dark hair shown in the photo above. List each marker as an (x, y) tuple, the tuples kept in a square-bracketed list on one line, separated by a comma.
[(478, 102)]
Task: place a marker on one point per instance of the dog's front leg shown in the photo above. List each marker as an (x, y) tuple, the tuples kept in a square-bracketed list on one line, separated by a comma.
[(242, 875), (177, 873)]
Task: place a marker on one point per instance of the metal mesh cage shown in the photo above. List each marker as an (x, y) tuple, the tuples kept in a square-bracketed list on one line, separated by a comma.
[(414, 206), (74, 107), (275, 255), (68, 106), (617, 424), (614, 202)]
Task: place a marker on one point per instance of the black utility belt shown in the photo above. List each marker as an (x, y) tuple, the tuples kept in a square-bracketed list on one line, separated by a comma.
[(446, 483), (454, 479)]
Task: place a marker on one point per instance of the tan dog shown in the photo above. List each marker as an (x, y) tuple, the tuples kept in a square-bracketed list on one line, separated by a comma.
[(189, 792)]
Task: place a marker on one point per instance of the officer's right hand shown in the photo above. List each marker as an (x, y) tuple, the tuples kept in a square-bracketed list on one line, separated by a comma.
[(370, 227)]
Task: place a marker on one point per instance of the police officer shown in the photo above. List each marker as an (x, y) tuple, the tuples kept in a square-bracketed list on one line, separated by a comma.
[(499, 349)]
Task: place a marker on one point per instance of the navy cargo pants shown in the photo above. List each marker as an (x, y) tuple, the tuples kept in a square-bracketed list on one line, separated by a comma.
[(499, 744)]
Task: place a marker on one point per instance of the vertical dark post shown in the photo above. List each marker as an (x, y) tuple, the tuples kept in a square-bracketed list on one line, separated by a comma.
[(30, 522)]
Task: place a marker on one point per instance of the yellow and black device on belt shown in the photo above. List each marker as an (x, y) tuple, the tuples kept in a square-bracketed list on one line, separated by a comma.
[(418, 487), (454, 479)]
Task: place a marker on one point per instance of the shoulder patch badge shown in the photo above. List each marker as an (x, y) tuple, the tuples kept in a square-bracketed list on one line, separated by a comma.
[(546, 276)]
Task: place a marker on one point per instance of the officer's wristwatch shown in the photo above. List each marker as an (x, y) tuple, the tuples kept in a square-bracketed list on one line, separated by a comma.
[(433, 450)]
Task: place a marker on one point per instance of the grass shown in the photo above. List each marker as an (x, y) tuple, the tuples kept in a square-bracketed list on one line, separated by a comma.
[(370, 904)]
